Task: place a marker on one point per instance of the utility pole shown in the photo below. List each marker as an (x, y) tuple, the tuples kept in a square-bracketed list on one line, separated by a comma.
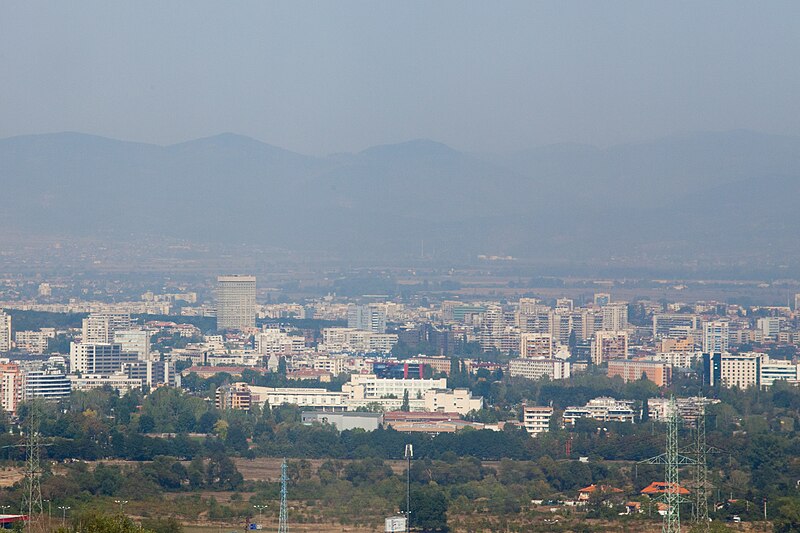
[(260, 509), (64, 509)]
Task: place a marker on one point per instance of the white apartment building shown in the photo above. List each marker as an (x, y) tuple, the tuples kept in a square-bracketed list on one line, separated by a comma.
[(98, 358), (716, 337), (369, 386), (769, 327), (236, 302), (117, 381), (46, 385), (536, 420), (670, 325), (772, 370), (370, 317), (537, 368), (316, 398), (677, 359), (604, 409)]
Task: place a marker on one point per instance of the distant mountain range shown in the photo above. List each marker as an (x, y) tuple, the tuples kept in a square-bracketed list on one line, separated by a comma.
[(715, 194)]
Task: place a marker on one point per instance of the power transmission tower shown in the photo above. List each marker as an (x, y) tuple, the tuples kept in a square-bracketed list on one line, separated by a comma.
[(701, 450), (32, 498), (672, 461), (283, 519)]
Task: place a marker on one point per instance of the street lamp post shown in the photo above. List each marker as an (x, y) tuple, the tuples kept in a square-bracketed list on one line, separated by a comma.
[(121, 504), (5, 508), (260, 512), (64, 509)]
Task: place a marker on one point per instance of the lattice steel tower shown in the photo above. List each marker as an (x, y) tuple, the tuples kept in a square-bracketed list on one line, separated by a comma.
[(283, 519), (700, 452), (32, 498), (672, 461)]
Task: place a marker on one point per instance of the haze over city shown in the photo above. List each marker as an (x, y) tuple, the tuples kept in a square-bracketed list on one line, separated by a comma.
[(399, 266)]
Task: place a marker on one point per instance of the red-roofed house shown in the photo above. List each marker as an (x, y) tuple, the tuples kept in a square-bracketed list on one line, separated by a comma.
[(661, 487)]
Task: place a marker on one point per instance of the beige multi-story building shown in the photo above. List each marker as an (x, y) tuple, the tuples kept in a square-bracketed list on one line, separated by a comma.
[(34, 341), (537, 368), (535, 345), (5, 332), (100, 327), (732, 370), (459, 401), (536, 420), (609, 345), (615, 316), (11, 387), (236, 302), (333, 364), (234, 396), (634, 370), (277, 342), (341, 340)]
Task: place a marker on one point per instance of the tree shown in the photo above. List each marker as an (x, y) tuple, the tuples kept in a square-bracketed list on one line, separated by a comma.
[(96, 522), (428, 509), (282, 366), (405, 406), (788, 518)]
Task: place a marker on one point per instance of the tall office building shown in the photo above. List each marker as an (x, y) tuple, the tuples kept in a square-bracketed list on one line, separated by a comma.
[(134, 341), (100, 327), (97, 358), (615, 316), (367, 317), (236, 302), (609, 345), (11, 390), (715, 337), (5, 332)]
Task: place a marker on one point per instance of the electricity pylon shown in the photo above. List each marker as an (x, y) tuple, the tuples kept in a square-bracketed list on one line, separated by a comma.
[(32, 497), (672, 461), (283, 519)]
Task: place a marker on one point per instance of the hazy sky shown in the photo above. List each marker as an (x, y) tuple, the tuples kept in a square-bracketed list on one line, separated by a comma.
[(334, 76)]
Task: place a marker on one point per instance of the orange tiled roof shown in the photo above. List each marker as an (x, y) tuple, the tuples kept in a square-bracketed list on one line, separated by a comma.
[(661, 487), (602, 488)]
